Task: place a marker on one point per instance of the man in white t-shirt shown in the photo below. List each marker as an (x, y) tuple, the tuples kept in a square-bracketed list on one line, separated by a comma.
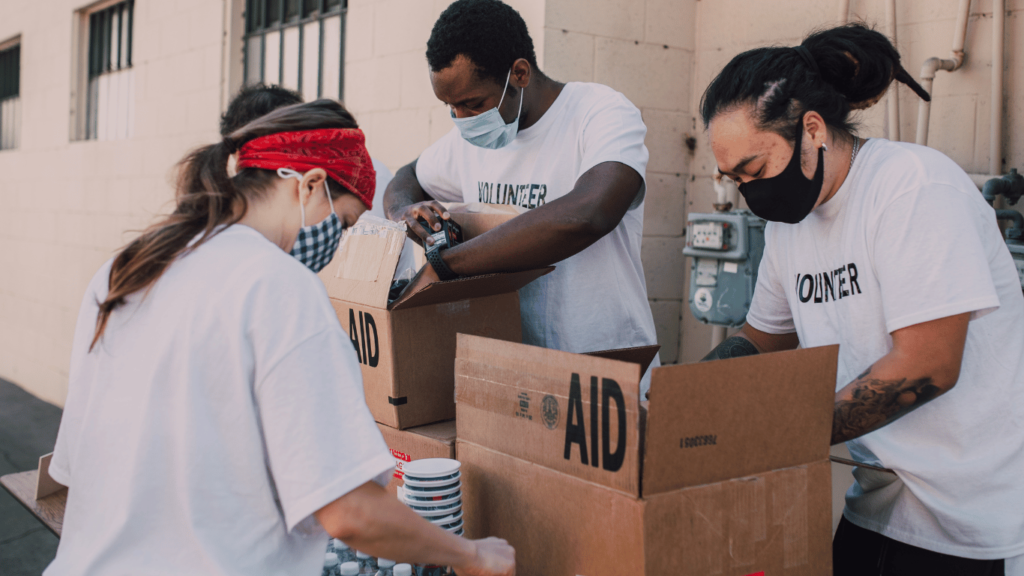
[(890, 251), (572, 154)]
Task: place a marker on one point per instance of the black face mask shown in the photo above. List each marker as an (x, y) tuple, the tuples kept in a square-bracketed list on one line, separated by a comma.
[(790, 196)]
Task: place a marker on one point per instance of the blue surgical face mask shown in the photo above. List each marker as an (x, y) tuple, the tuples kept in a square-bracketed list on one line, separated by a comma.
[(316, 243), (488, 130)]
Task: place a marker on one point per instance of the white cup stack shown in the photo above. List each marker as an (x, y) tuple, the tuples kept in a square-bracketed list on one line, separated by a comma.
[(433, 488)]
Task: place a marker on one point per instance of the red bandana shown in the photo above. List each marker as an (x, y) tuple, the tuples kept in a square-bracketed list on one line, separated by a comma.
[(341, 152)]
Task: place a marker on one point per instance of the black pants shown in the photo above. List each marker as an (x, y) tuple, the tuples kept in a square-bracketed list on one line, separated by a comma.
[(860, 552)]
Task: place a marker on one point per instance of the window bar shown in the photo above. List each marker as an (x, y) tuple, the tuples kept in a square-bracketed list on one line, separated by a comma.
[(120, 23), (105, 42), (341, 59), (280, 48), (320, 56), (131, 20), (263, 56), (302, 48)]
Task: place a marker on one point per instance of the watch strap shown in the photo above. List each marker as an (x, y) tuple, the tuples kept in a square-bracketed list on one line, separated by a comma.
[(442, 269)]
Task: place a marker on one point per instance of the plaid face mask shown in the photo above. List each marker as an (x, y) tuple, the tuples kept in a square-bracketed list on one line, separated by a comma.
[(316, 243)]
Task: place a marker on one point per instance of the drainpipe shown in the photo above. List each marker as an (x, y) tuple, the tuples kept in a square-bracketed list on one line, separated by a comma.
[(727, 196), (995, 146), (893, 103), (934, 64), (844, 11)]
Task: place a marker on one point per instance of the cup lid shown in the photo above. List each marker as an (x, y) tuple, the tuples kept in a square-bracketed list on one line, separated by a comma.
[(431, 467), (449, 519), (430, 498), (422, 492), (432, 483)]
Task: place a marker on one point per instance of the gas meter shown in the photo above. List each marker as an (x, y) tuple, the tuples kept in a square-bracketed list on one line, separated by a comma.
[(726, 249)]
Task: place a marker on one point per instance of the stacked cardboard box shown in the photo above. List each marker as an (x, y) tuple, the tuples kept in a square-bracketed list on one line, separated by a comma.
[(407, 347), (727, 473), (430, 441)]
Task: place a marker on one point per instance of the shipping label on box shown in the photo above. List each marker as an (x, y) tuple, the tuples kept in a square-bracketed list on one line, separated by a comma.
[(430, 441)]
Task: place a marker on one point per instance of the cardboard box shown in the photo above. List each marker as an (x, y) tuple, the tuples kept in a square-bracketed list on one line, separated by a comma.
[(725, 472), (407, 347), (430, 441)]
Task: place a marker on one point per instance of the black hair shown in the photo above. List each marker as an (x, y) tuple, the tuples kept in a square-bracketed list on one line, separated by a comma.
[(254, 101), (832, 72), (488, 32)]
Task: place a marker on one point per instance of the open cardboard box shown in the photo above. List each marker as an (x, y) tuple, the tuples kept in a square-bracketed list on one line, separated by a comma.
[(726, 473), (407, 347)]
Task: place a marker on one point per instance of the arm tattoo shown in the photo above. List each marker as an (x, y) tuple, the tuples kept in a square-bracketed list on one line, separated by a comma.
[(732, 348), (876, 403)]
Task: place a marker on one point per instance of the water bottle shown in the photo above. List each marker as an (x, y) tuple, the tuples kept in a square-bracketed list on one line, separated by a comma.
[(367, 564), (403, 570), (350, 569), (385, 567), (331, 565), (345, 554)]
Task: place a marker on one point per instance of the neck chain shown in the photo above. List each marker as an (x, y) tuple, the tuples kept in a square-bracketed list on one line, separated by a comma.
[(856, 148)]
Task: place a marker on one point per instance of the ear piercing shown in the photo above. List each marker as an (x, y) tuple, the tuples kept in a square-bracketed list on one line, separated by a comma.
[(824, 147)]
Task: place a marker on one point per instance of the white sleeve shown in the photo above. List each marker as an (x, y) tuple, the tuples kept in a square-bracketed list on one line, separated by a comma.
[(614, 131), (769, 309), (321, 441), (437, 169), (930, 258), (70, 421)]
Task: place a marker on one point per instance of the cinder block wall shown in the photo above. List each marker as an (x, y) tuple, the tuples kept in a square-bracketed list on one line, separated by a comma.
[(65, 206)]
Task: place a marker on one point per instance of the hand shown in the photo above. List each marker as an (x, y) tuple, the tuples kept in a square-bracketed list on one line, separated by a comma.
[(430, 211), (494, 557)]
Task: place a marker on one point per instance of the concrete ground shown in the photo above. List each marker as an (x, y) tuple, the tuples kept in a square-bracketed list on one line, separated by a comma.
[(28, 429)]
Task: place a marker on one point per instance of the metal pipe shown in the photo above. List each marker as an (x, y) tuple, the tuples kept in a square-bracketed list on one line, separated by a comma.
[(980, 179), (844, 11), (718, 334), (995, 147), (893, 103), (934, 64)]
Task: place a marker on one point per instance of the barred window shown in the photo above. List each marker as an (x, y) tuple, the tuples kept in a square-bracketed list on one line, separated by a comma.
[(10, 94), (110, 98), (296, 43)]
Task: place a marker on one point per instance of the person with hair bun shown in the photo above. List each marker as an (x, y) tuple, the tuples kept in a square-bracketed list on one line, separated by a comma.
[(888, 250), (215, 421)]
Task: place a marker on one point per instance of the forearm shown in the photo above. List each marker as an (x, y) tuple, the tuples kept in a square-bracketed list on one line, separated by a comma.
[(403, 190), (555, 231), (538, 238), (882, 394), (375, 522)]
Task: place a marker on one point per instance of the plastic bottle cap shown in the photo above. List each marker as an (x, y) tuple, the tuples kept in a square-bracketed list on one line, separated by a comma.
[(352, 569), (362, 555), (382, 563), (402, 570), (330, 559), (338, 544)]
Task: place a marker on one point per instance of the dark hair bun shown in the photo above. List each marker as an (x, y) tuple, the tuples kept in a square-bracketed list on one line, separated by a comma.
[(859, 62)]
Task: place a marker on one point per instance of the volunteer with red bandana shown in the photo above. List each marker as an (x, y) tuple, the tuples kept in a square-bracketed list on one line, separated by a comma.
[(215, 420), (572, 155)]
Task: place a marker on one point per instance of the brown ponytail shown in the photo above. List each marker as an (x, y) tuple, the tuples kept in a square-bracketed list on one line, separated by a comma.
[(206, 198)]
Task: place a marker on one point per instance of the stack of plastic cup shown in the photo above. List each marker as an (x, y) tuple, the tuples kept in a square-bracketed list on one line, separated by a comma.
[(433, 489)]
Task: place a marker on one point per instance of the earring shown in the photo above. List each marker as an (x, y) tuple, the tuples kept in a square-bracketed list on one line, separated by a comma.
[(824, 147)]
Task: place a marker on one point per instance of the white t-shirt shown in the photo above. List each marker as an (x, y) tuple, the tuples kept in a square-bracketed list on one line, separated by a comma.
[(597, 299), (908, 239), (212, 419)]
